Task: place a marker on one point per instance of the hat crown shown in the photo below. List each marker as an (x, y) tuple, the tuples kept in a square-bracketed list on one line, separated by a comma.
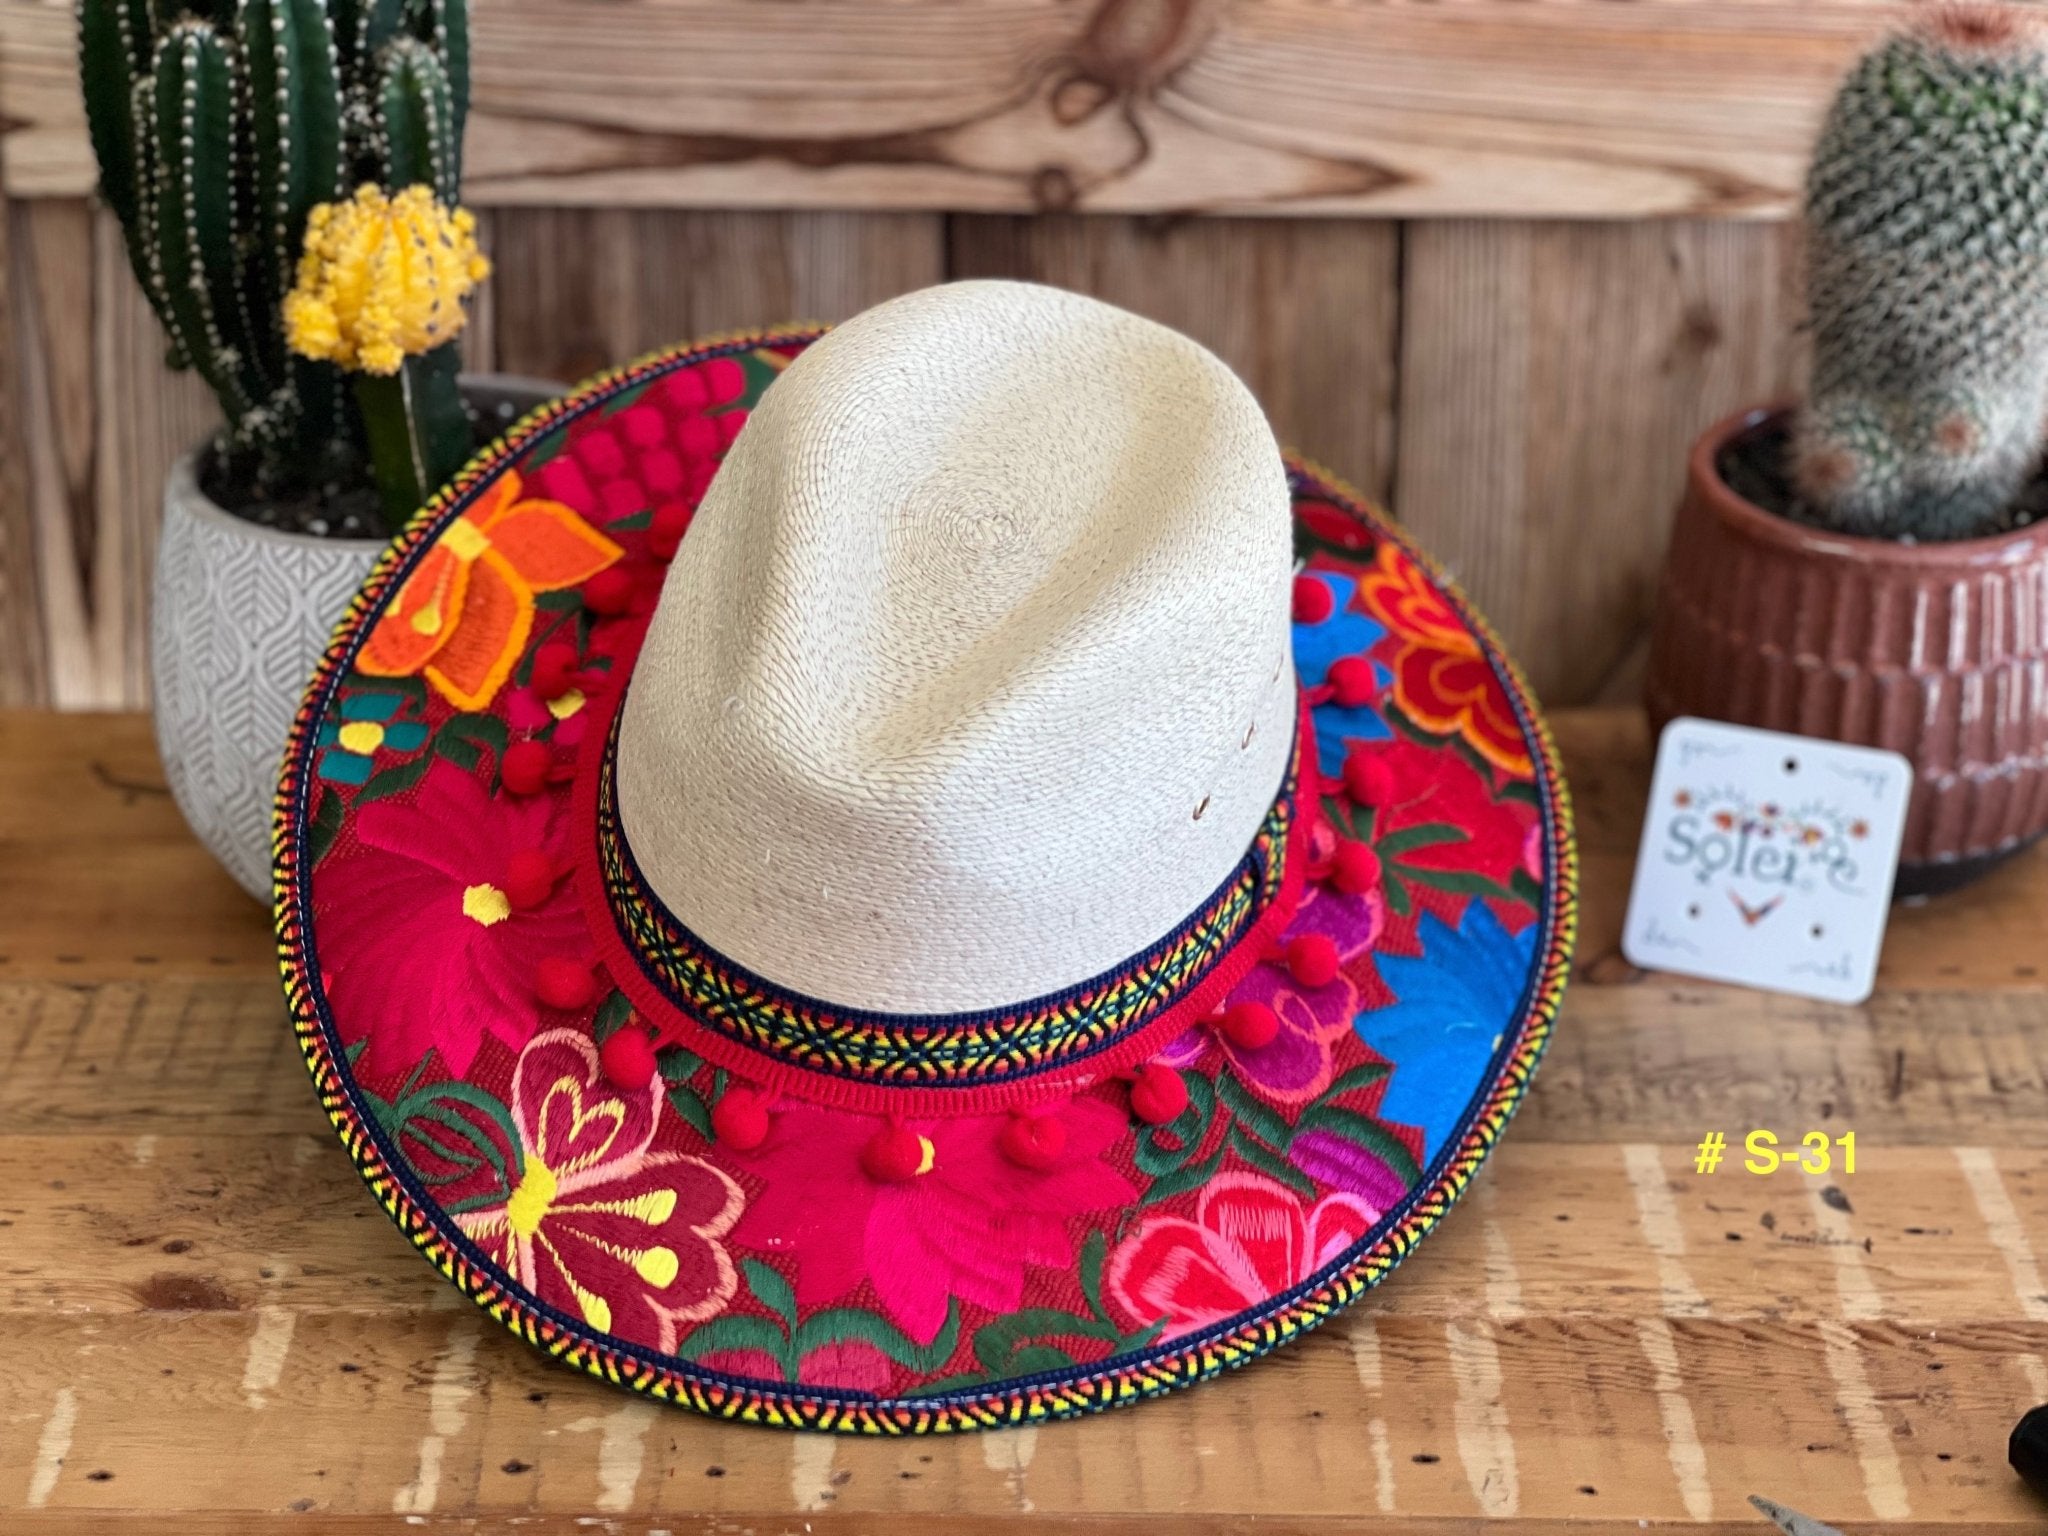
[(972, 678)]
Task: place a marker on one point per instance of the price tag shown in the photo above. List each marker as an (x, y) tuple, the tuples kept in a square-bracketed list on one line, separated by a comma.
[(1767, 860)]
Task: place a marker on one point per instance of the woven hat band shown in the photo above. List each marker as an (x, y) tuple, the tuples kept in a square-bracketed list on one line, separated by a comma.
[(1041, 1046)]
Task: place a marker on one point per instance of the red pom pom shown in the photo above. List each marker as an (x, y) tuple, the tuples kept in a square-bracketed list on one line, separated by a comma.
[(529, 879), (1368, 779), (1355, 869), (524, 768), (564, 983), (1034, 1141), (665, 532), (609, 591), (895, 1155), (554, 669), (1248, 1026), (1351, 682), (740, 1119), (1313, 600), (1159, 1094), (628, 1060), (1312, 959)]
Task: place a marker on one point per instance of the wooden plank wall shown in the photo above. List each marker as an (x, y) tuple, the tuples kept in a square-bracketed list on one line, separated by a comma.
[(1496, 263)]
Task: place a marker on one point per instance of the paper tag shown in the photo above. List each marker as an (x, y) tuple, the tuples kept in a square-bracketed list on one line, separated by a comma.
[(1767, 860)]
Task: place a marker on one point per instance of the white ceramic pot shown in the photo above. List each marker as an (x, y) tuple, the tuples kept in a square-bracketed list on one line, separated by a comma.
[(239, 617)]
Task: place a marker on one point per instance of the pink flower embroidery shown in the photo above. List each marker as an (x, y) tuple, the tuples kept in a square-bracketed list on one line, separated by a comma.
[(1299, 1063), (625, 1238), (967, 1229), (1250, 1240), (419, 947)]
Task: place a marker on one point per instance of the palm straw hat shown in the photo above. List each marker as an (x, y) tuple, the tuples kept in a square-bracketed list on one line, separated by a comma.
[(918, 876)]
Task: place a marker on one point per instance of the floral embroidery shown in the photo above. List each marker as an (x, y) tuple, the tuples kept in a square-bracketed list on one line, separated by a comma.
[(1251, 1239), (463, 616), (968, 1229), (626, 1238), (1443, 681), (367, 725), (1347, 632), (1444, 827), (1451, 1008), (1299, 1063), (421, 948)]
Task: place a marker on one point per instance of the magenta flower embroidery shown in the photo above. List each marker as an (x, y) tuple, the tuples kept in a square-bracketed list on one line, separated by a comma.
[(1300, 1062), (970, 1228), (628, 1239), (420, 949)]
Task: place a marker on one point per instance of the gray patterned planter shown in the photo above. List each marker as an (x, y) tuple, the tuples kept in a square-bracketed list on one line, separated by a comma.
[(239, 616)]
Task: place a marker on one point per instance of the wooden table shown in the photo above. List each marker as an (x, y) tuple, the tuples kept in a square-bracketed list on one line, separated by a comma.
[(210, 1325)]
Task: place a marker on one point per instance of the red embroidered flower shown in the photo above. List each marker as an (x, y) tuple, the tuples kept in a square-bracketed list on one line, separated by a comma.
[(969, 1228), (1442, 680), (420, 948), (628, 1239), (1250, 1240), (1441, 817)]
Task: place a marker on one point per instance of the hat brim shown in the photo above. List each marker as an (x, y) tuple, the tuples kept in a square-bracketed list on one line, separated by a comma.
[(610, 1228)]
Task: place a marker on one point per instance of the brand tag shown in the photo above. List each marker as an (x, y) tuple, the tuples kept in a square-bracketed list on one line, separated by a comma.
[(1767, 860)]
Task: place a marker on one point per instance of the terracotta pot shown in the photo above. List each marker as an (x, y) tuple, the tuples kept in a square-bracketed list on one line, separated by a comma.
[(239, 616), (1935, 651)]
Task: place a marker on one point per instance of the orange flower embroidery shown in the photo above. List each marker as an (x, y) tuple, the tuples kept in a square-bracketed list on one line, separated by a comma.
[(462, 618), (1442, 680)]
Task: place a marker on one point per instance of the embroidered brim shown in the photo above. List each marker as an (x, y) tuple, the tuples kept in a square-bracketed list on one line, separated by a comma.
[(475, 1022)]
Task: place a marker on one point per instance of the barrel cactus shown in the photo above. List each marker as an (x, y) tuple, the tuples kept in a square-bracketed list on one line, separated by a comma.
[(1927, 216), (221, 130)]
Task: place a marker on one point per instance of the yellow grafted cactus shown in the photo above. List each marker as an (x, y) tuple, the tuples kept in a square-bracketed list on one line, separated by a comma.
[(382, 279)]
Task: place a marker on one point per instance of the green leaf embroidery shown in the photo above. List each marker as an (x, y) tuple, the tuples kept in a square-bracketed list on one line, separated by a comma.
[(736, 1331), (1165, 1148), (631, 523), (1426, 834), (612, 1013), (562, 600), (1357, 1078), (625, 399), (837, 1324), (1271, 1162), (684, 1100), (1461, 882), (463, 754), (1093, 1252), (393, 780), (1193, 1176), (1251, 1115), (484, 730), (325, 825), (770, 1289)]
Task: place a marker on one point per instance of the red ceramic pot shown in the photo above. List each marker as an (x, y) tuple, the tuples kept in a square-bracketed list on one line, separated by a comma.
[(1935, 651)]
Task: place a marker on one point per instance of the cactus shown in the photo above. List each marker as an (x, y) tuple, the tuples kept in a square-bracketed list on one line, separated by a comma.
[(218, 130), (1927, 215)]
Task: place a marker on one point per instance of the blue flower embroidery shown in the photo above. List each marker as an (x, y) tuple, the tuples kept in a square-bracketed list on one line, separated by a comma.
[(350, 744), (1343, 633), (1450, 1009)]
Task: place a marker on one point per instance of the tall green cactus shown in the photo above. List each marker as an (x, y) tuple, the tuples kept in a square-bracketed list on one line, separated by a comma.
[(1927, 213), (217, 130)]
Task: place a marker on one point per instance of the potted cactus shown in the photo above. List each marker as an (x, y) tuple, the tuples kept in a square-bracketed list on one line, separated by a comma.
[(1870, 566), (285, 173)]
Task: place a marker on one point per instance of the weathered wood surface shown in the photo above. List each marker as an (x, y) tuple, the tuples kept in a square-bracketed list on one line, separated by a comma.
[(213, 1326), (1580, 108), (1522, 395)]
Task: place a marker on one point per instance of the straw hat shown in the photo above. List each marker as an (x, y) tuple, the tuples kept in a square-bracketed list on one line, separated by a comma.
[(927, 912)]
